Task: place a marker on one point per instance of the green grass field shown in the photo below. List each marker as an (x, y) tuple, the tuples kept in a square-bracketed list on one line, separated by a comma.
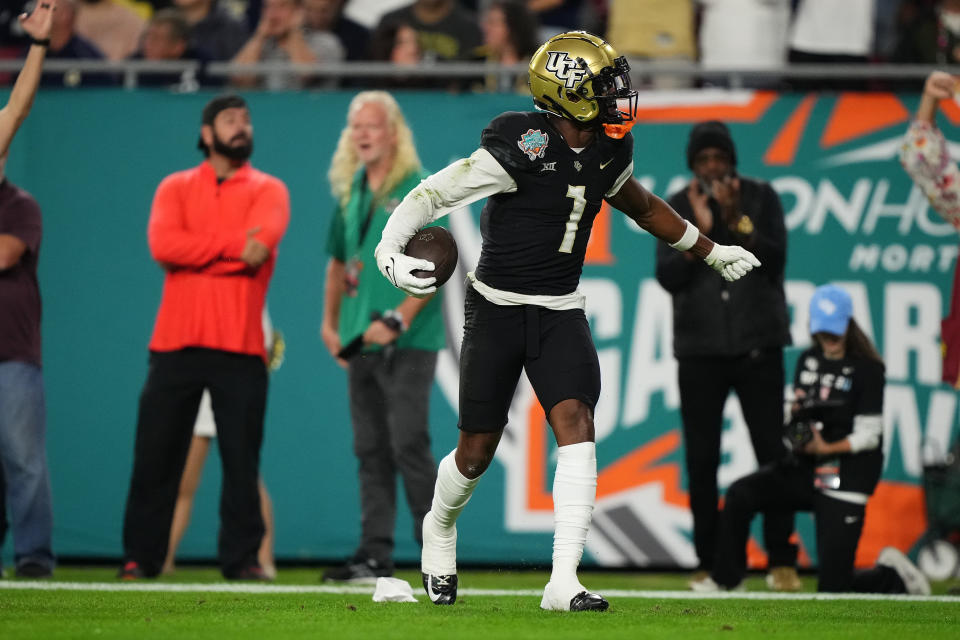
[(80, 611)]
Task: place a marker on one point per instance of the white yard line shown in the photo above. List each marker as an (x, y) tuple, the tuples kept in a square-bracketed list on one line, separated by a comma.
[(368, 590)]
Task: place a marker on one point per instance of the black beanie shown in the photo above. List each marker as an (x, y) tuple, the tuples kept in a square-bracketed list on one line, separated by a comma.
[(215, 106), (712, 133)]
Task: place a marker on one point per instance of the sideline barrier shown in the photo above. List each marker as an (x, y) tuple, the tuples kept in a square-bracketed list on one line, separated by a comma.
[(94, 158)]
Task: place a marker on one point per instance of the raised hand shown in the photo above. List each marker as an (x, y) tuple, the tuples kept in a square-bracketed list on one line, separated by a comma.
[(38, 23), (940, 85)]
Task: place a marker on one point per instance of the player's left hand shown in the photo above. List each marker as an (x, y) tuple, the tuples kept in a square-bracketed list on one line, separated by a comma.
[(731, 261), (38, 23)]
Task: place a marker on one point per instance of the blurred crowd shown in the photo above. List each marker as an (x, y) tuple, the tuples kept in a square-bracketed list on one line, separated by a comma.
[(756, 34)]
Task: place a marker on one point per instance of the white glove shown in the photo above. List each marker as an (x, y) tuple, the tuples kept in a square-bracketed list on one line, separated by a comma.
[(396, 268), (731, 261)]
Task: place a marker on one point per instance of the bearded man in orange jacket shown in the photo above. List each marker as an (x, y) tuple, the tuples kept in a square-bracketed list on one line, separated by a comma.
[(215, 230)]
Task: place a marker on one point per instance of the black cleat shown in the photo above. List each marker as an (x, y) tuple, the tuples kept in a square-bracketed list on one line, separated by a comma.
[(358, 571), (441, 589), (34, 570), (586, 601)]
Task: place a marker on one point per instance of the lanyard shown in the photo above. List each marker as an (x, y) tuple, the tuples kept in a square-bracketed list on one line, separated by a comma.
[(365, 226)]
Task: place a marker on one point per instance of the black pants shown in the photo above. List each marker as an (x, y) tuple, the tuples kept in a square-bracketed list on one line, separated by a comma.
[(500, 342), (705, 383), (390, 409), (787, 487), (168, 410)]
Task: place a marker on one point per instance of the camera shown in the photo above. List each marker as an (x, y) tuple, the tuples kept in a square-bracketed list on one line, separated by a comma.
[(799, 431)]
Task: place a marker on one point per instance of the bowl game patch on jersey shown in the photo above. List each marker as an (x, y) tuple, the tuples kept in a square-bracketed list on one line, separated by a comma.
[(533, 143)]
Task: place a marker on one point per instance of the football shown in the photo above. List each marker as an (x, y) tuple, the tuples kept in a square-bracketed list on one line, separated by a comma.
[(437, 245)]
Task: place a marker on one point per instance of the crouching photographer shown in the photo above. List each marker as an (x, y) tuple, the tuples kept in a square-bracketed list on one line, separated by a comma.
[(836, 432)]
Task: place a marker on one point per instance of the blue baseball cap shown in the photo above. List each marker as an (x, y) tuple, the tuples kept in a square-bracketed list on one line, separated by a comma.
[(830, 310)]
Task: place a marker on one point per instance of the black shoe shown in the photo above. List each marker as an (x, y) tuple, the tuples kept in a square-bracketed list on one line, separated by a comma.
[(131, 571), (441, 589), (253, 572), (358, 571), (34, 570), (586, 601)]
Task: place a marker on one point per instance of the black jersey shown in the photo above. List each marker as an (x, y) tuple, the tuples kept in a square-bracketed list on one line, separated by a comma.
[(535, 239), (859, 383)]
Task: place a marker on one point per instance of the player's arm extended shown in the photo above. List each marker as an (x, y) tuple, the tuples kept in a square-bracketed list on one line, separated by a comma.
[(460, 184), (657, 217)]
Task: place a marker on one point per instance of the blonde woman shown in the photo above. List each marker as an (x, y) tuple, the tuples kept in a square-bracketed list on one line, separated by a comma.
[(395, 338)]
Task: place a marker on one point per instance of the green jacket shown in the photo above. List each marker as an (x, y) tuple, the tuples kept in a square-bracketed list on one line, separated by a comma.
[(373, 292)]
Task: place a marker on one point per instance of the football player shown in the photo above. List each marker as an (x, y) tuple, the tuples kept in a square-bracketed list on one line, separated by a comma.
[(545, 174)]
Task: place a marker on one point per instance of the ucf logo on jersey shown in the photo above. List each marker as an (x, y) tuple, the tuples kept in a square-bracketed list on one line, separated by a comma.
[(560, 64)]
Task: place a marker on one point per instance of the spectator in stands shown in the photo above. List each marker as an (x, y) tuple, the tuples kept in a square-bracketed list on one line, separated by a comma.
[(212, 30), (887, 29), (509, 38), (327, 16), (446, 30), (167, 37), (368, 13), (404, 47), (654, 30), (400, 44), (831, 32), (556, 16), (744, 33), (280, 37), (930, 34), (24, 476), (12, 36), (66, 44), (113, 28)]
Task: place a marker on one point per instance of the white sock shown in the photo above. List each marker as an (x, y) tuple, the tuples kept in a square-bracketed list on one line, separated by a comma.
[(574, 494), (451, 493)]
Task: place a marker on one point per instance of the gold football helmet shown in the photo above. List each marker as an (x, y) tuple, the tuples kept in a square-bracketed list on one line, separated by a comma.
[(580, 77)]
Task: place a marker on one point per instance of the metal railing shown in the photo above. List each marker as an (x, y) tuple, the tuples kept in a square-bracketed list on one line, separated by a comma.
[(129, 72)]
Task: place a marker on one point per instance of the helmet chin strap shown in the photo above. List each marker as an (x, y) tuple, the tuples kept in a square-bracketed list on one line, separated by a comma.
[(558, 111)]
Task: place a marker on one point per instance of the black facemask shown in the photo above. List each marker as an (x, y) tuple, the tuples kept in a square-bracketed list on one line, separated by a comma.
[(232, 151)]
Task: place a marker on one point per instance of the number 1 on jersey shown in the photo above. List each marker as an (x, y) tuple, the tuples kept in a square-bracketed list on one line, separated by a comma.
[(579, 204)]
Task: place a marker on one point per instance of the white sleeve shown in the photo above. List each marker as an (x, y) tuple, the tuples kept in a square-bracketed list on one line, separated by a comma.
[(461, 183), (866, 433), (622, 178)]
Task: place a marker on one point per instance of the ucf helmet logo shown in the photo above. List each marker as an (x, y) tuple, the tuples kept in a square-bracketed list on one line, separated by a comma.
[(560, 64)]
